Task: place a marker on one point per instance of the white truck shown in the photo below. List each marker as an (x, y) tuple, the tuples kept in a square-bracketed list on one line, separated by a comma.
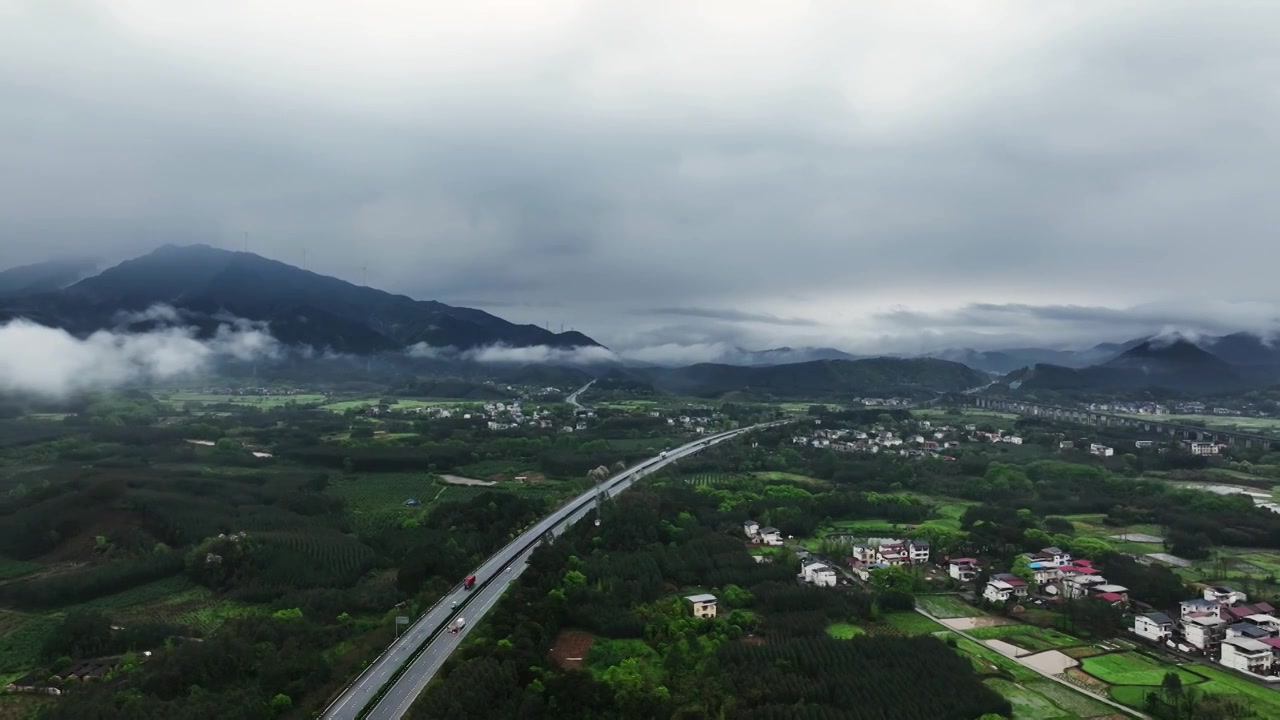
[(458, 625)]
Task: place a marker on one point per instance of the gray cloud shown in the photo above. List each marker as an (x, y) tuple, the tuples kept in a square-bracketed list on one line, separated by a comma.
[(50, 362), (733, 316), (581, 161), (989, 325)]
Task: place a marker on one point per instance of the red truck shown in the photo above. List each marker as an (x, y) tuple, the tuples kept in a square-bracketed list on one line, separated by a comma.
[(469, 583)]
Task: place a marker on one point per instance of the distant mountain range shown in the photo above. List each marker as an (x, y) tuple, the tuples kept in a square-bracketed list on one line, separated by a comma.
[(44, 277), (206, 285), (1218, 364), (819, 378)]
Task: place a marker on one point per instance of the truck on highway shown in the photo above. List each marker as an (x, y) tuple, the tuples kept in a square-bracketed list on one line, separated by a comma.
[(457, 625), (469, 583)]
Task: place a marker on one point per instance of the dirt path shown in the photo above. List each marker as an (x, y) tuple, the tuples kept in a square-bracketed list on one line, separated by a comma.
[(1030, 666)]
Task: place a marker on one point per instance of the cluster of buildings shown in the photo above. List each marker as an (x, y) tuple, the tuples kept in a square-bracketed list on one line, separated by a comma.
[(1053, 572), (886, 553), (762, 535), (1224, 626), (927, 441)]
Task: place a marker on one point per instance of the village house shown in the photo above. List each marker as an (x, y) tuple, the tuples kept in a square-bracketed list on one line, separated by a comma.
[(903, 552), (1101, 450), (751, 528), (1013, 440), (1066, 445), (1247, 655), (962, 569), (818, 574), (1153, 626), (1247, 630), (770, 536), (703, 606), (1003, 587), (1120, 592), (1204, 631)]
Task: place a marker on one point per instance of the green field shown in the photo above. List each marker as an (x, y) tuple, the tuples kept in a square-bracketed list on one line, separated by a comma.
[(10, 569), (844, 631), (912, 623), (1265, 701), (1028, 704), (1131, 668), (178, 399), (21, 638), (1048, 699), (399, 404), (1257, 426), (946, 606), (775, 476), (1027, 636), (377, 500)]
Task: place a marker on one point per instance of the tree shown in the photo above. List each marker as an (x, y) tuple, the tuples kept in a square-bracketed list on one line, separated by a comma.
[(281, 704), (1022, 568), (892, 578)]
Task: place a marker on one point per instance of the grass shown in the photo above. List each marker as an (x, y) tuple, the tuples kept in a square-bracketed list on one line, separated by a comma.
[(21, 639), (150, 593), (846, 631), (1027, 636), (10, 569), (912, 623), (946, 606), (1254, 425), (1077, 704), (1131, 668), (776, 476), (178, 399), (986, 660), (1265, 700), (377, 501), (1027, 704), (340, 406)]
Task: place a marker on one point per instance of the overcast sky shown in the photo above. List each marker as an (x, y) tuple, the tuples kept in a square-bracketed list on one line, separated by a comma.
[(870, 176)]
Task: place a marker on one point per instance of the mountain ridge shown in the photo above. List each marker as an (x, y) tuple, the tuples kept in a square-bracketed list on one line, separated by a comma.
[(302, 307)]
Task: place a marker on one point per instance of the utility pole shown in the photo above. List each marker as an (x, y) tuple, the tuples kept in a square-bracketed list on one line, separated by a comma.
[(364, 275)]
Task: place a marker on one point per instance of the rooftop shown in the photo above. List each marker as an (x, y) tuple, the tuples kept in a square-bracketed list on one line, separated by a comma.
[(703, 598), (1248, 645), (1158, 618)]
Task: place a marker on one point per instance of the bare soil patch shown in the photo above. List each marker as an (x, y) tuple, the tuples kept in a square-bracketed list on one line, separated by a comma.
[(571, 648), (969, 623), (459, 480), (1007, 649), (1053, 662)]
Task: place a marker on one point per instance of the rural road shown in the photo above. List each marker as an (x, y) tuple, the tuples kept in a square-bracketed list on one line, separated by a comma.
[(493, 577), (573, 398)]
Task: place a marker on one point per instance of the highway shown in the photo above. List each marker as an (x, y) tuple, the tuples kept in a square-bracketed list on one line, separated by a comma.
[(573, 398), (492, 578)]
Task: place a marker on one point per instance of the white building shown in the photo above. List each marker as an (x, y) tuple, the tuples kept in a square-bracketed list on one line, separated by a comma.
[(751, 528), (1224, 595), (1203, 448), (770, 536), (1101, 450), (1204, 632), (1000, 588), (818, 574), (1013, 440), (962, 569), (704, 606), (1153, 626), (1247, 655)]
